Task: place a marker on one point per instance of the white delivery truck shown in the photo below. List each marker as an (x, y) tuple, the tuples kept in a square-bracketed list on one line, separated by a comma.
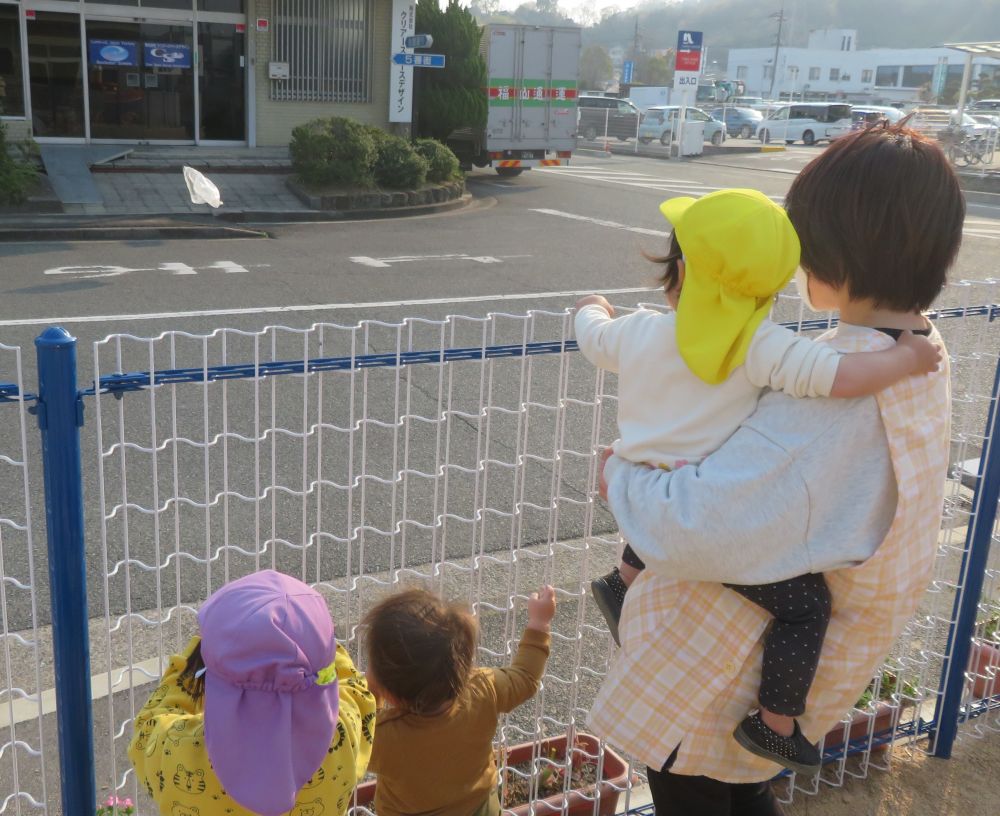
[(532, 82)]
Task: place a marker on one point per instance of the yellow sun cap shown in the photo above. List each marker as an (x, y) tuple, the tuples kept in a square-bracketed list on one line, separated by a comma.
[(740, 250)]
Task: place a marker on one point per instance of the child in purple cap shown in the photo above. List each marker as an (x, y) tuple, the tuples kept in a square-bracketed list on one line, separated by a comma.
[(262, 714)]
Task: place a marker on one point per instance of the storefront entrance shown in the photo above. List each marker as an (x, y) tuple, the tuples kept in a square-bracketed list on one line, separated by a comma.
[(174, 75)]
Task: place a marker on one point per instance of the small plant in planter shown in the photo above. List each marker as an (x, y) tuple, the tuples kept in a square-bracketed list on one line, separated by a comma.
[(113, 806), (985, 664), (542, 792), (877, 714)]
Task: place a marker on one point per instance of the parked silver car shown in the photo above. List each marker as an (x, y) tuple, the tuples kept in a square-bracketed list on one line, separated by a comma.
[(659, 122)]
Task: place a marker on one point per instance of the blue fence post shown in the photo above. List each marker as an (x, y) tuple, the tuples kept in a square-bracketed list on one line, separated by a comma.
[(60, 415), (973, 570)]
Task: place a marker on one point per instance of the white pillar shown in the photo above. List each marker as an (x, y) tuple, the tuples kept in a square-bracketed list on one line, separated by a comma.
[(964, 90)]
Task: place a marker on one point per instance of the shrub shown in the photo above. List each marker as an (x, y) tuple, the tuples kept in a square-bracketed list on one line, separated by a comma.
[(17, 178), (442, 162), (398, 166), (333, 151)]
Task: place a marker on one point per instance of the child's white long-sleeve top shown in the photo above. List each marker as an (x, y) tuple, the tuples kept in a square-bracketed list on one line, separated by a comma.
[(666, 414)]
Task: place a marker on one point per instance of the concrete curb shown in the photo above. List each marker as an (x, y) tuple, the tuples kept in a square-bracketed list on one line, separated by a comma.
[(36, 233), (204, 167), (980, 182), (377, 200), (236, 224)]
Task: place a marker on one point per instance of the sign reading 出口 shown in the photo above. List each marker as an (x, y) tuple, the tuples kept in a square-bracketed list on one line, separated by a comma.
[(404, 23)]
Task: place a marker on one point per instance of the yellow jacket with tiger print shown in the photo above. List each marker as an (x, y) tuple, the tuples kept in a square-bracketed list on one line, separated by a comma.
[(171, 761)]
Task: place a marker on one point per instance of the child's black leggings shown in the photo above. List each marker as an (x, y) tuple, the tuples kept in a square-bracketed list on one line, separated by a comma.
[(801, 609)]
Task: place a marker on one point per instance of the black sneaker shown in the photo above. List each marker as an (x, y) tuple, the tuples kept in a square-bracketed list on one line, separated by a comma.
[(795, 752), (609, 592)]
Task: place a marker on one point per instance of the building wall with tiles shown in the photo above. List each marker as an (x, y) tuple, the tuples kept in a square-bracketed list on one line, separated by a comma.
[(276, 118), (17, 130)]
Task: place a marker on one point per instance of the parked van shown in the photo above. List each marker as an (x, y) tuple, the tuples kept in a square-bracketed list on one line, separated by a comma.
[(595, 113), (808, 122)]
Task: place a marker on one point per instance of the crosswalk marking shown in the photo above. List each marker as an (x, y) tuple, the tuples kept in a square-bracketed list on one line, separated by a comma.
[(625, 178)]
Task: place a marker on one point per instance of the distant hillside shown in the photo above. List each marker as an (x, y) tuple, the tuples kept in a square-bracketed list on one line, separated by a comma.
[(746, 23)]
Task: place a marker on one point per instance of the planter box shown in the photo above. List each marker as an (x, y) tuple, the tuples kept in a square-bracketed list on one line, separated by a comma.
[(861, 726), (612, 782), (985, 665)]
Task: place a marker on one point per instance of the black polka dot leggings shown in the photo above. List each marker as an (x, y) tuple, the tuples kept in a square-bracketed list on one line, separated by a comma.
[(801, 610)]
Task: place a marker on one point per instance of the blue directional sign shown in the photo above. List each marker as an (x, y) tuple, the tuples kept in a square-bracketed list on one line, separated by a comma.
[(418, 41), (628, 70), (419, 60)]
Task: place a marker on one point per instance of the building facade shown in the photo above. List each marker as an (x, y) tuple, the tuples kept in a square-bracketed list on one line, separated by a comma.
[(237, 72), (832, 67)]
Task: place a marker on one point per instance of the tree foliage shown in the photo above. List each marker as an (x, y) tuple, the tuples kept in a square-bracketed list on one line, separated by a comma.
[(450, 98), (595, 67), (655, 71)]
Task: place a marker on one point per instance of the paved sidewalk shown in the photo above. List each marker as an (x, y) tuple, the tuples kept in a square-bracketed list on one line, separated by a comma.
[(158, 193)]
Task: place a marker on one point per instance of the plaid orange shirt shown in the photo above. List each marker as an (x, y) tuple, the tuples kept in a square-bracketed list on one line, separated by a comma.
[(690, 665)]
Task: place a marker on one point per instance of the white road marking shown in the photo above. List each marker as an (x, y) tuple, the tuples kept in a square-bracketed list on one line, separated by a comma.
[(602, 223), (385, 263), (102, 271), (324, 307)]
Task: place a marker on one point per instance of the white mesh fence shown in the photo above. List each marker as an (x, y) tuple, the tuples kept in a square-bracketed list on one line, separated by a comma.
[(345, 456), (25, 747)]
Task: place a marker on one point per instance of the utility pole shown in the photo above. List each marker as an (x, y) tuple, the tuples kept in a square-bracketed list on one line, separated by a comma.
[(635, 48), (780, 17)]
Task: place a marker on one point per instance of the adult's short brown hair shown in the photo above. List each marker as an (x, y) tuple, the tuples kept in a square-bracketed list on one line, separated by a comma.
[(421, 649), (882, 212)]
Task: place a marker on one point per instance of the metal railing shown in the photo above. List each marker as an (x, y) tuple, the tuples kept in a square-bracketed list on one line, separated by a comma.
[(456, 454)]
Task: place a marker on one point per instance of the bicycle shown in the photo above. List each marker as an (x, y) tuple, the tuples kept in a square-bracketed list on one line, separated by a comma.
[(964, 151)]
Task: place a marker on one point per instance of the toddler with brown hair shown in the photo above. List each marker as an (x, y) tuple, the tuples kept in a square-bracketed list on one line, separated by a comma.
[(434, 751)]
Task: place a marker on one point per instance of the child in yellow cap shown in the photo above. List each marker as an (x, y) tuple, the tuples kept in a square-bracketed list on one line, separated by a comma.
[(688, 379)]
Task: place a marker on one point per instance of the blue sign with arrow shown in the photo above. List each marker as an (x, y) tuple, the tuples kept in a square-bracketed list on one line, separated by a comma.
[(628, 70), (419, 60)]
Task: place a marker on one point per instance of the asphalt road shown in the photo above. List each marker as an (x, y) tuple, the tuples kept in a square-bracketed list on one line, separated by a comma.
[(528, 243)]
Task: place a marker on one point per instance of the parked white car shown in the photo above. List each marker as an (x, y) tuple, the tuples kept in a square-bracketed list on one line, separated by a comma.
[(806, 122)]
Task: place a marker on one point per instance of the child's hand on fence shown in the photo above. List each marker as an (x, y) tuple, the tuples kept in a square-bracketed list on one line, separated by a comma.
[(926, 355), (596, 300), (541, 608)]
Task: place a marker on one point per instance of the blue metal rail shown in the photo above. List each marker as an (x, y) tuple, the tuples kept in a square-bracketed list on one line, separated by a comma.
[(139, 380)]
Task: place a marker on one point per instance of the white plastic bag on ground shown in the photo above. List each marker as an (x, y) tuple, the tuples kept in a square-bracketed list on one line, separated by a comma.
[(201, 190)]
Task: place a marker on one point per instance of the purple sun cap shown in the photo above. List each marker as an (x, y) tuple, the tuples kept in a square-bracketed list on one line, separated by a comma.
[(268, 724)]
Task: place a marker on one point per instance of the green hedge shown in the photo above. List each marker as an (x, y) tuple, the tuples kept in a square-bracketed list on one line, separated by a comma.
[(398, 166), (333, 151), (442, 162), (342, 152), (17, 178)]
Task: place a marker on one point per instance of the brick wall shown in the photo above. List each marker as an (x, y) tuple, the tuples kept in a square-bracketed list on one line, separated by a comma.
[(276, 118)]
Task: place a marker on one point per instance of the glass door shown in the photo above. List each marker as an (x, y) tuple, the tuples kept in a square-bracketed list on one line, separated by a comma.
[(222, 81), (141, 78), (55, 67)]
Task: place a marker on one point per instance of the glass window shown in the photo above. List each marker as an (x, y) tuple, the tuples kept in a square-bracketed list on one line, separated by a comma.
[(145, 90), (887, 76), (768, 71), (328, 47), (223, 6), (167, 4), (741, 72), (866, 75), (814, 73), (625, 108), (916, 76), (780, 114), (11, 77), (56, 71), (834, 74)]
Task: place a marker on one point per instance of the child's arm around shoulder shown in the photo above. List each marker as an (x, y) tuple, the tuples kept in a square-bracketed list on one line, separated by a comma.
[(519, 682), (781, 360), (600, 334), (868, 372)]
